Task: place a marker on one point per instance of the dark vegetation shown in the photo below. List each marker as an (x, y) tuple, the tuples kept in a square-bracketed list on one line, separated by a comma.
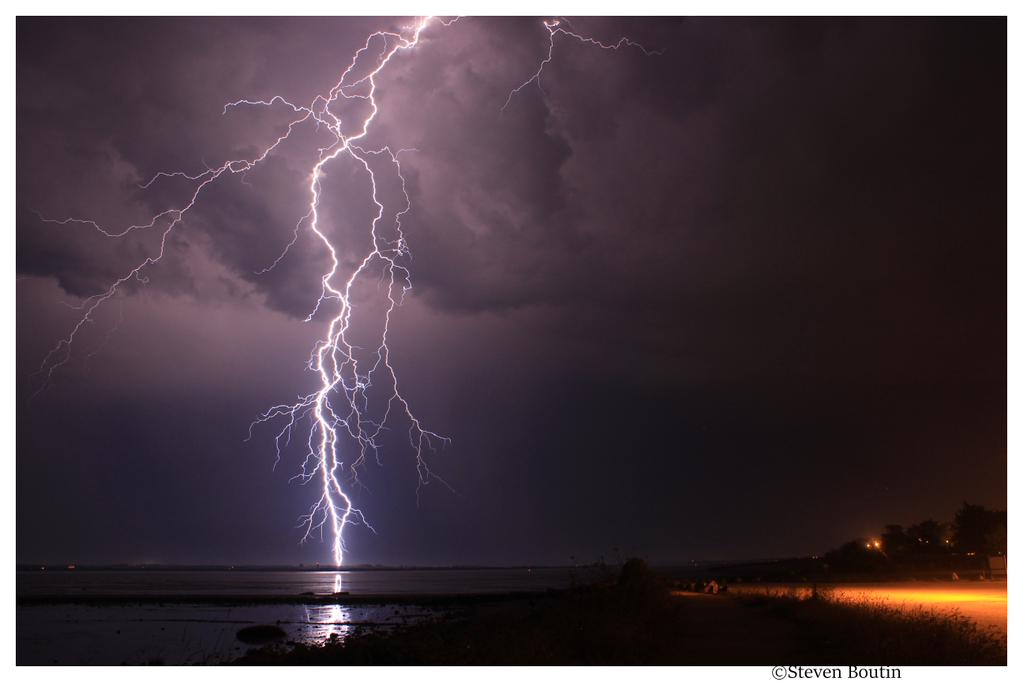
[(928, 550), (961, 546), (637, 619)]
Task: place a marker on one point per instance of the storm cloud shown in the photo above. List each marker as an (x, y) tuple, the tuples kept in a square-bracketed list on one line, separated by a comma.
[(766, 264)]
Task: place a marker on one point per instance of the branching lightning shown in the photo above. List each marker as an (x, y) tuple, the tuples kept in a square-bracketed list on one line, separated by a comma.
[(339, 408), (556, 27)]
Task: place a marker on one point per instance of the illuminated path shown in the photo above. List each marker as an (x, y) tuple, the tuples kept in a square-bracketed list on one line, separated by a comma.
[(985, 602)]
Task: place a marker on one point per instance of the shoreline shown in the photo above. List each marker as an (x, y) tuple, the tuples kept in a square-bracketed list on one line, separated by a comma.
[(637, 618)]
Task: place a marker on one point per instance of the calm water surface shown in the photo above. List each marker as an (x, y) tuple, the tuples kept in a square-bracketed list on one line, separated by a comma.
[(206, 633), (266, 583), (181, 633)]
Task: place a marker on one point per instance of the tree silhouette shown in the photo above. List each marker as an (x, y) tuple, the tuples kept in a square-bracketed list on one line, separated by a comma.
[(928, 536), (894, 540), (979, 530)]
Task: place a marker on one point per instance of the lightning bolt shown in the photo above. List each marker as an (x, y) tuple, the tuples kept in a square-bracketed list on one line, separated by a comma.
[(556, 27), (339, 408)]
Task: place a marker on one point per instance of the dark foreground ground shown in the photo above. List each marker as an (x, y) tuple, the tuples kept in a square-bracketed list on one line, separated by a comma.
[(638, 620)]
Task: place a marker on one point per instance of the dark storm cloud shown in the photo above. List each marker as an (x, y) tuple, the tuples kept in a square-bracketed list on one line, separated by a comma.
[(766, 265)]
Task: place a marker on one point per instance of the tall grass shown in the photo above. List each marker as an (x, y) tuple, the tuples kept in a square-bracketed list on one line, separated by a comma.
[(877, 632)]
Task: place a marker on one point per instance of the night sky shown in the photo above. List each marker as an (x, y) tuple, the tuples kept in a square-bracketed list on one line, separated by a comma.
[(743, 299)]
